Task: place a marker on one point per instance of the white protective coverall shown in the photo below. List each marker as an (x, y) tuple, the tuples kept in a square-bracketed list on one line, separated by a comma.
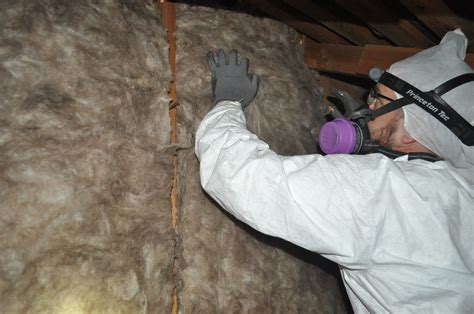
[(401, 231)]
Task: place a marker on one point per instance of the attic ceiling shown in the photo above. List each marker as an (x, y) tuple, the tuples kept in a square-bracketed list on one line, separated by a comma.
[(349, 37)]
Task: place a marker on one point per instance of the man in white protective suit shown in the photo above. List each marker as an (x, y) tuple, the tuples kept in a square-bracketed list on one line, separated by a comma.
[(401, 225)]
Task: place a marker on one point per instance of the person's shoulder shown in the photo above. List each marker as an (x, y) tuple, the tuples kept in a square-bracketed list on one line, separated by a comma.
[(442, 172)]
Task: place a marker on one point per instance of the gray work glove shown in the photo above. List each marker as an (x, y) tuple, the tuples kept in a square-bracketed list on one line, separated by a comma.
[(230, 78)]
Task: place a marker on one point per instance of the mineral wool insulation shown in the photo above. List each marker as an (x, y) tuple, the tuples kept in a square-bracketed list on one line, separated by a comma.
[(86, 168)]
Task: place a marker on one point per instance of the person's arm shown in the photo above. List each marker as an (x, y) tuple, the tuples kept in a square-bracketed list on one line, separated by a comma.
[(311, 201)]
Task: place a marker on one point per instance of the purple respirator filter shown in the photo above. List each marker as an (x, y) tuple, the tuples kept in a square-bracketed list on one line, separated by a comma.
[(337, 137)]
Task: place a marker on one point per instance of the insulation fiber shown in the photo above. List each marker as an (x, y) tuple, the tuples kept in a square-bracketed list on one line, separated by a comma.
[(224, 266), (84, 227)]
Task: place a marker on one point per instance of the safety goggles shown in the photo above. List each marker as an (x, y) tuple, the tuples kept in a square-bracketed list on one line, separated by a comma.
[(374, 95)]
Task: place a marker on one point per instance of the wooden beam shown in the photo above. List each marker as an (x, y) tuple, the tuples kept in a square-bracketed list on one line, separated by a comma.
[(384, 19), (332, 57), (437, 16), (310, 29), (355, 60), (340, 22)]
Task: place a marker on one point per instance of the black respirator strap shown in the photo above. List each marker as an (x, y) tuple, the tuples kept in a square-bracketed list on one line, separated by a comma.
[(453, 83), (393, 105), (434, 105)]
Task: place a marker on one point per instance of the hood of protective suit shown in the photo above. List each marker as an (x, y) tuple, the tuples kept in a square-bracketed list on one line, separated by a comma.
[(426, 70)]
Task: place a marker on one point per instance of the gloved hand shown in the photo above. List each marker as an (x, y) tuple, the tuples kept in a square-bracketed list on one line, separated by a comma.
[(230, 78)]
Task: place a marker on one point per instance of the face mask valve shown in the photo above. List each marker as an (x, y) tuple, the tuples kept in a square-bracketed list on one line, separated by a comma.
[(340, 136)]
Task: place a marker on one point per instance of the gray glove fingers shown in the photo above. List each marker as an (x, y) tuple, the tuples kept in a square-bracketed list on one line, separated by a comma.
[(254, 80), (221, 60), (211, 62), (233, 60), (244, 65)]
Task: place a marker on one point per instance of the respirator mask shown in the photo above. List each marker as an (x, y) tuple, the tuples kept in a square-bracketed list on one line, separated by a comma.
[(348, 133)]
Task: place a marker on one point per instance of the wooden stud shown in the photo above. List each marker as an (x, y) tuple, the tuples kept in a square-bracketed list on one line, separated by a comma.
[(168, 18)]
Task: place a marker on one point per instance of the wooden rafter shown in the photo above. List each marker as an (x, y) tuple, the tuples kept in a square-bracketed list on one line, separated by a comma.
[(440, 18), (383, 18), (310, 29), (340, 22)]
